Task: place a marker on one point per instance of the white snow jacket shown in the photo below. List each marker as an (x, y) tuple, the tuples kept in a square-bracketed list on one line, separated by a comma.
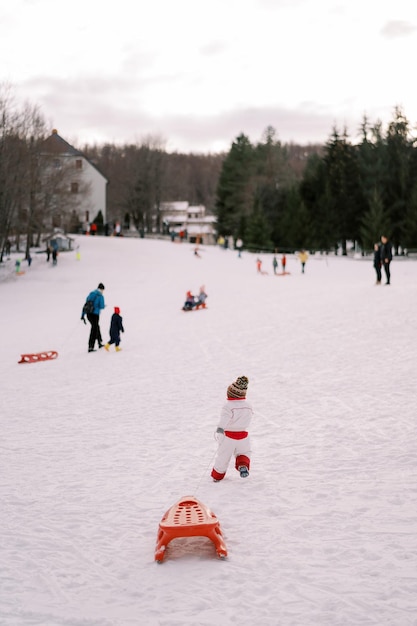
[(236, 416)]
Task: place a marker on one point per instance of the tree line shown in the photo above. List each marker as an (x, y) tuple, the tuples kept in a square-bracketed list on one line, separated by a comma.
[(144, 175), (270, 195), (35, 187), (347, 192)]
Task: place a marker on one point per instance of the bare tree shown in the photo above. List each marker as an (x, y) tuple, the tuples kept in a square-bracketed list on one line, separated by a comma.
[(12, 167), (36, 187)]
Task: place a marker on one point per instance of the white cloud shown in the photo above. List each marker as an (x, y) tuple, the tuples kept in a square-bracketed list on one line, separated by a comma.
[(190, 71)]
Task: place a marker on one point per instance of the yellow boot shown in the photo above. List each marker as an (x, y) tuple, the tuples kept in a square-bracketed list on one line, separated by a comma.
[(118, 349), (107, 346)]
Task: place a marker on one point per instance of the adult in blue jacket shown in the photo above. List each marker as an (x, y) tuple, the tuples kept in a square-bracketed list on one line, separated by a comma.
[(97, 298)]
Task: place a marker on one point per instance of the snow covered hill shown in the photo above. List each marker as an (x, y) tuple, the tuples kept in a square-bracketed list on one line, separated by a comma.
[(96, 447)]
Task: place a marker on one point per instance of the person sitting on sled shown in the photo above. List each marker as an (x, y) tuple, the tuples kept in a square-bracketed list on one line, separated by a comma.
[(201, 298), (232, 431), (190, 302)]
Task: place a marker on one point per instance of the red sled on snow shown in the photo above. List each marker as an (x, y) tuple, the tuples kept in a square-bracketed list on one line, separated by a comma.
[(38, 356), (189, 518)]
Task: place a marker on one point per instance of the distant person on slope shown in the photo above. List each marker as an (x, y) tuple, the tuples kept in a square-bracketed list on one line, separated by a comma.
[(303, 256), (201, 298), (386, 257), (377, 263), (97, 304), (190, 302)]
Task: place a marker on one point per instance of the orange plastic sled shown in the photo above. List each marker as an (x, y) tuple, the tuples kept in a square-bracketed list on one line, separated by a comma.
[(189, 518), (39, 356)]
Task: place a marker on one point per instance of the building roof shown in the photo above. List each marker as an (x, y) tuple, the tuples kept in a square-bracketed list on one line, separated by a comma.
[(203, 229), (181, 206), (56, 145), (207, 219), (57, 234)]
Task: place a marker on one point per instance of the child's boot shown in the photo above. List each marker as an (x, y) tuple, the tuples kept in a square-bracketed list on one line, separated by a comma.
[(118, 349), (244, 472), (107, 346)]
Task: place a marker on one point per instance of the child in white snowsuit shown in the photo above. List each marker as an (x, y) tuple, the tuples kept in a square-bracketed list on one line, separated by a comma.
[(232, 431), (201, 299), (116, 327)]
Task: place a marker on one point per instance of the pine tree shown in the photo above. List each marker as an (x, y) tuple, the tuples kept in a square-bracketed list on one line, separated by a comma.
[(235, 189), (374, 222), (295, 224), (400, 174), (258, 230), (343, 180)]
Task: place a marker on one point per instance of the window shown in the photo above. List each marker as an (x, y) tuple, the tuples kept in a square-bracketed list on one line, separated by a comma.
[(74, 187), (78, 164)]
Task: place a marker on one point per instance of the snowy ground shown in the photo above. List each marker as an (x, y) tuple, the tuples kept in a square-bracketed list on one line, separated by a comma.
[(96, 447)]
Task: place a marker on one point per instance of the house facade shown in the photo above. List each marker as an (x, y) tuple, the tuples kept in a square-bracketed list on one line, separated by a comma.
[(80, 188), (179, 217)]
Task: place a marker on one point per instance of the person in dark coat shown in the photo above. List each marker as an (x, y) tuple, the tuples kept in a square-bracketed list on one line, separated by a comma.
[(386, 257), (116, 327), (190, 302), (377, 262)]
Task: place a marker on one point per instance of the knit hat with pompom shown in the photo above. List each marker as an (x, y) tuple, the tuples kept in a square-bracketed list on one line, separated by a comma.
[(238, 388)]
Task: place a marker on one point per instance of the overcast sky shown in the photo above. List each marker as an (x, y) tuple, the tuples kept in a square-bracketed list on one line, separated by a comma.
[(196, 73)]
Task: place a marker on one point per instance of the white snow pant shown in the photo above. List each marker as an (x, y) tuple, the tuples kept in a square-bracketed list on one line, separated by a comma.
[(227, 447)]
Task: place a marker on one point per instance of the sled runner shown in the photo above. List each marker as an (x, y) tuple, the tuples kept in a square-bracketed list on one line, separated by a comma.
[(196, 307), (38, 356), (189, 518)]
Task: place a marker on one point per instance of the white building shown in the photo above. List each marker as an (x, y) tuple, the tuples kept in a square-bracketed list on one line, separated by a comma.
[(179, 217), (87, 186)]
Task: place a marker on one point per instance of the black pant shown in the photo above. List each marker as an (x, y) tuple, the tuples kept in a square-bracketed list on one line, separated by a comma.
[(95, 333), (387, 272), (378, 272), (115, 339)]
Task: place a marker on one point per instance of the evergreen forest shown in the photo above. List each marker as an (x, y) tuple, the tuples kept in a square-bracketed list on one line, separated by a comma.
[(271, 195), (347, 194)]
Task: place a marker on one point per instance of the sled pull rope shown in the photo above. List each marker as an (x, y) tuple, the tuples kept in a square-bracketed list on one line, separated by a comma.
[(205, 471)]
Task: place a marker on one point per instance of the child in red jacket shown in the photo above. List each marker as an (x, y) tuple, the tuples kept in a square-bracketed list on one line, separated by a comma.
[(232, 431)]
